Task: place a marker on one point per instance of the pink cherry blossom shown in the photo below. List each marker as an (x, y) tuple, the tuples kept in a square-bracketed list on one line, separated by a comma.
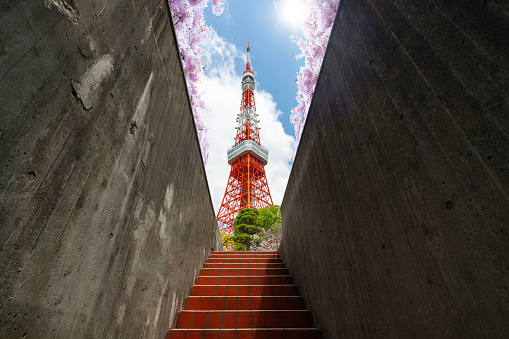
[(316, 29), (217, 7), (191, 29)]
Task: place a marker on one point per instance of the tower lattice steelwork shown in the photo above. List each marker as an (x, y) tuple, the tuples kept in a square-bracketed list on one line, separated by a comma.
[(247, 184)]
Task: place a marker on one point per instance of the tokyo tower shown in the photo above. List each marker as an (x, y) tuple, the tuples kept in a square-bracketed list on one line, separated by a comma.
[(247, 184)]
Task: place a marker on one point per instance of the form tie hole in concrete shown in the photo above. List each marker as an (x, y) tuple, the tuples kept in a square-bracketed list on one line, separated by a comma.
[(31, 175), (449, 205), (132, 129)]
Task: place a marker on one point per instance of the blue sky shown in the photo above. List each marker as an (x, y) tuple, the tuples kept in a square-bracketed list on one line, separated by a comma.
[(272, 52)]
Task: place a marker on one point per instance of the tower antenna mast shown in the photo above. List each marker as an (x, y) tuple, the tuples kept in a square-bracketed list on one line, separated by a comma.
[(247, 184)]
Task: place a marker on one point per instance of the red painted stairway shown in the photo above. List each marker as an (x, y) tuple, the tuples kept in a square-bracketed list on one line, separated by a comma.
[(244, 295)]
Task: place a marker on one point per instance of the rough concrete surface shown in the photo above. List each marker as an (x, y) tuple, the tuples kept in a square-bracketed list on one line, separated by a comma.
[(105, 214), (396, 214)]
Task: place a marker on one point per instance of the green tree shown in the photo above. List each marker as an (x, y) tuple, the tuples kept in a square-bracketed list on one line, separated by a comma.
[(245, 226), (269, 217), (253, 227)]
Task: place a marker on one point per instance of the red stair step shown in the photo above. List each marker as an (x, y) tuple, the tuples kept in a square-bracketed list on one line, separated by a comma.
[(243, 271), (248, 255), (244, 290), (244, 295), (243, 265), (244, 319), (242, 253), (244, 280), (249, 260), (244, 303), (255, 333)]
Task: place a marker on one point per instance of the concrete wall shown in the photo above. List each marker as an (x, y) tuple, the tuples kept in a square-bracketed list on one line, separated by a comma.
[(102, 232), (396, 214)]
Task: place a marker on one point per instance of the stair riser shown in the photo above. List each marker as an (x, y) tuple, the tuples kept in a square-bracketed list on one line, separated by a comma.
[(244, 319), (243, 253), (243, 271), (245, 334), (242, 265), (245, 260), (245, 280), (243, 303), (214, 256), (254, 290)]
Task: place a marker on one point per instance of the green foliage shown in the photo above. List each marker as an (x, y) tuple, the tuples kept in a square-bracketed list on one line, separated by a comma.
[(250, 222), (246, 221), (269, 217), (244, 226), (270, 220)]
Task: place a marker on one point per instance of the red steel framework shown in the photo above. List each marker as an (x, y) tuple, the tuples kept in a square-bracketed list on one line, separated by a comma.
[(247, 184)]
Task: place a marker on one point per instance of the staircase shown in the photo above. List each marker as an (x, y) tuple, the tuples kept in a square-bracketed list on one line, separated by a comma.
[(244, 295)]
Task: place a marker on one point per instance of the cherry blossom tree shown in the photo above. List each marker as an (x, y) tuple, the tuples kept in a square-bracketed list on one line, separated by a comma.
[(316, 28), (191, 29)]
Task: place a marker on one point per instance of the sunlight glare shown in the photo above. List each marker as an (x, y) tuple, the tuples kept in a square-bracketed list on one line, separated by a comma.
[(293, 11)]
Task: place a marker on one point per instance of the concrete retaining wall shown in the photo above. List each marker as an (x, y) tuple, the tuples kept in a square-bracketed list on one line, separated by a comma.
[(105, 212), (396, 214)]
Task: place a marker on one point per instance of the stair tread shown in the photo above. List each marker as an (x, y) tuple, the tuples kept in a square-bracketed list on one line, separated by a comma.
[(239, 311), (246, 333), (245, 263), (247, 329), (261, 266), (229, 269), (265, 255), (246, 258), (244, 280), (245, 296), (244, 319), (241, 252), (243, 276), (215, 271), (250, 285)]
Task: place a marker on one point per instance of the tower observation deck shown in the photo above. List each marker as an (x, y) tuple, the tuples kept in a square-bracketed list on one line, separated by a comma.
[(247, 184)]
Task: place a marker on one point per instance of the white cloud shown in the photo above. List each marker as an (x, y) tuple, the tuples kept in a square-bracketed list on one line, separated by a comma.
[(222, 95)]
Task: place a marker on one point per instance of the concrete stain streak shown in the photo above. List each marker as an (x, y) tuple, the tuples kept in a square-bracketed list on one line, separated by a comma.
[(89, 82), (142, 107), (168, 197), (158, 309), (159, 52), (173, 311)]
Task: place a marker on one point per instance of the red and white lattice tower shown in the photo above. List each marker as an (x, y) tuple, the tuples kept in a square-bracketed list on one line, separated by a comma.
[(247, 185)]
